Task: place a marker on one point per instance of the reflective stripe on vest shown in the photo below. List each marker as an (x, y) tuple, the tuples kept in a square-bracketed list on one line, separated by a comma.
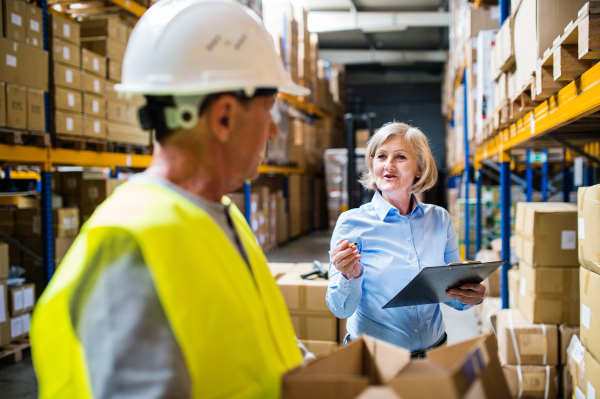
[(235, 332)]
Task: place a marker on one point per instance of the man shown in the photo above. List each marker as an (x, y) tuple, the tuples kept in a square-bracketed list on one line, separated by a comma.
[(165, 293)]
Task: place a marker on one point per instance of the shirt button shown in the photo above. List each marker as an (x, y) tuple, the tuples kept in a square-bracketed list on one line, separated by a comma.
[(408, 239), (415, 330)]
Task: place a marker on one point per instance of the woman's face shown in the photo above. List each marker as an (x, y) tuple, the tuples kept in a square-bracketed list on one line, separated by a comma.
[(394, 166)]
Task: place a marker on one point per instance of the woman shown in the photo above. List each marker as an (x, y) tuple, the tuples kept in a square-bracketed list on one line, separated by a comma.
[(396, 236)]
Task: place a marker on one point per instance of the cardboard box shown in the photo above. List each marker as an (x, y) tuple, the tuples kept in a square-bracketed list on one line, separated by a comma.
[(93, 63), (590, 311), (347, 372), (467, 370), (34, 68), (4, 262), (34, 36), (114, 70), (21, 299), (552, 18), (2, 104), (5, 332), (107, 46), (283, 228), (549, 294), (279, 269), (566, 333), (68, 100), (111, 27), (65, 222), (67, 76), (94, 127), (4, 319), (319, 348), (15, 20), (61, 246), (66, 53), (576, 365), (592, 375), (65, 29), (532, 381), (92, 84), (567, 387), (16, 106), (514, 281), (36, 110), (7, 221), (68, 123), (86, 212), (19, 326), (525, 42), (122, 133), (10, 67), (94, 192), (488, 315), (588, 224), (133, 117), (94, 105), (305, 300), (536, 344), (116, 111), (547, 233), (71, 183)]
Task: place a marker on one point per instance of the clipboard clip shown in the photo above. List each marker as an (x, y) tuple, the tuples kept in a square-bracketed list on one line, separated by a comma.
[(472, 262), (318, 270)]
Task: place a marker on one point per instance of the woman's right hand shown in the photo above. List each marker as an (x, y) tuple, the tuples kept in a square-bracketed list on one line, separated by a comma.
[(345, 259)]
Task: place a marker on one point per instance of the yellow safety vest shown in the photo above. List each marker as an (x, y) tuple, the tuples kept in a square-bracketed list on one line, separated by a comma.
[(234, 330)]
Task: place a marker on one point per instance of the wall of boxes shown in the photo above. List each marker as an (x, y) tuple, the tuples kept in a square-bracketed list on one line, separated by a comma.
[(548, 339)]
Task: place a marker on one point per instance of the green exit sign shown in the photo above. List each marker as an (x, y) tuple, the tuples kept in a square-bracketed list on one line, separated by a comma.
[(535, 157)]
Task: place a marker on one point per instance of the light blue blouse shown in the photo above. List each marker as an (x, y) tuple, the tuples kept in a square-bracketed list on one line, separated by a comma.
[(394, 249)]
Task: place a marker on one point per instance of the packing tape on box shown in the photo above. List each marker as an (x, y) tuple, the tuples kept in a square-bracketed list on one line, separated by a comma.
[(521, 382), (511, 328)]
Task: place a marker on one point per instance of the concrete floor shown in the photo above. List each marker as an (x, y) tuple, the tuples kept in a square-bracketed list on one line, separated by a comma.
[(17, 381)]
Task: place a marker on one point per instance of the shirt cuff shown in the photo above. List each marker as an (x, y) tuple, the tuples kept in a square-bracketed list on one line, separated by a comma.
[(344, 281)]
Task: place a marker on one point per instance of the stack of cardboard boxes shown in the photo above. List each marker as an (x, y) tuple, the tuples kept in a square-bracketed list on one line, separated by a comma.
[(107, 38), (588, 204), (534, 333), (21, 300), (4, 317), (24, 69)]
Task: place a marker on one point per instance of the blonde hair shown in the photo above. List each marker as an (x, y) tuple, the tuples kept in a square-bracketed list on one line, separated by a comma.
[(417, 144)]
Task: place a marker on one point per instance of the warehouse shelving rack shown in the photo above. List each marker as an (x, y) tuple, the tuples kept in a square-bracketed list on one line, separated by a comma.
[(47, 157), (569, 120)]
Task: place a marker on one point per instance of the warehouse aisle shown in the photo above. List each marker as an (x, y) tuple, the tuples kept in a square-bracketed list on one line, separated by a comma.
[(460, 326), (18, 380)]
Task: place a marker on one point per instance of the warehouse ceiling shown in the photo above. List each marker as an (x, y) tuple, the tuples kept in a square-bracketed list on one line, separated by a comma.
[(382, 41)]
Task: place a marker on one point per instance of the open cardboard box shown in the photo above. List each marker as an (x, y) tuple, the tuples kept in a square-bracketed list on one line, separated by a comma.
[(469, 370)]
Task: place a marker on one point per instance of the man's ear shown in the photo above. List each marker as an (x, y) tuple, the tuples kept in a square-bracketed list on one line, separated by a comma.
[(220, 114)]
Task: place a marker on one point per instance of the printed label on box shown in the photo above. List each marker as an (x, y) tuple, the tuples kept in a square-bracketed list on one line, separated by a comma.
[(97, 127), (96, 85), (37, 225), (28, 298), (11, 60), (581, 228), (569, 239), (66, 53), (534, 381), (15, 19), (69, 76), (591, 391), (253, 207), (34, 25), (585, 316), (2, 305), (16, 327), (71, 99), (69, 123), (66, 30), (523, 285), (35, 42), (95, 106), (18, 300), (579, 393), (254, 225), (533, 344), (25, 322)]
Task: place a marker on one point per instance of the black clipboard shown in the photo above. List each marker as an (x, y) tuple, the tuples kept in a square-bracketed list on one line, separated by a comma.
[(431, 283)]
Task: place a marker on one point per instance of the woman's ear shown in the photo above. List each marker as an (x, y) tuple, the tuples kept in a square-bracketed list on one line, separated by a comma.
[(419, 174)]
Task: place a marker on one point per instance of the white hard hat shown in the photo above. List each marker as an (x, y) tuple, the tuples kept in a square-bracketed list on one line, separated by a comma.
[(190, 48)]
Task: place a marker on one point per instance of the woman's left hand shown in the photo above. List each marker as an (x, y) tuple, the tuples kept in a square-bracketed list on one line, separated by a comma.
[(469, 294)]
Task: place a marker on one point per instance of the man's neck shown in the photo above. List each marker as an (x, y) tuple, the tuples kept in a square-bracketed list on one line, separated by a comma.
[(200, 174)]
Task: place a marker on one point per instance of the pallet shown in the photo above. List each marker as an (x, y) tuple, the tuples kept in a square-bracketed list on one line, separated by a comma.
[(13, 352), (127, 148), (571, 54), (24, 137), (79, 143)]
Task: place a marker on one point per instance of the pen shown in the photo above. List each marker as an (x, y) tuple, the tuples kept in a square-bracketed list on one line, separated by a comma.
[(353, 244)]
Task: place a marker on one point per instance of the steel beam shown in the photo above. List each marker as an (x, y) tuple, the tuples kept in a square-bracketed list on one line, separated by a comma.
[(371, 22), (505, 204), (382, 56)]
